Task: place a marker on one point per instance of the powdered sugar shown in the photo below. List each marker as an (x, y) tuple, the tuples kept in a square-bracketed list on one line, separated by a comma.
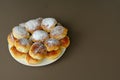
[(39, 19), (20, 31), (52, 41), (24, 41), (22, 24), (40, 35), (33, 24), (39, 47), (49, 22), (57, 30)]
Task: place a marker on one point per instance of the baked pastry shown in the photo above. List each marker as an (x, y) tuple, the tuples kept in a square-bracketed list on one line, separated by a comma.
[(58, 32), (53, 54), (65, 42), (22, 25), (11, 39), (31, 60), (39, 35), (17, 54), (48, 24), (38, 42), (23, 45), (52, 44), (37, 51), (33, 25), (20, 32)]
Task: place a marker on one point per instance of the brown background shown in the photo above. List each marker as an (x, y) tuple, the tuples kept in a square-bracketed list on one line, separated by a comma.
[(94, 29)]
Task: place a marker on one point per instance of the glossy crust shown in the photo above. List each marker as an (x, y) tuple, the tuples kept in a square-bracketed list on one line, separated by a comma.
[(58, 32), (31, 60), (11, 39), (23, 45), (52, 44), (16, 53), (65, 42), (54, 54), (37, 51)]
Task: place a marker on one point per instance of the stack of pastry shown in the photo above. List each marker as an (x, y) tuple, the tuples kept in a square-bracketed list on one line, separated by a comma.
[(38, 39)]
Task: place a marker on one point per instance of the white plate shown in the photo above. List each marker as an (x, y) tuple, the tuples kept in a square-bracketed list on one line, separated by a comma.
[(43, 63)]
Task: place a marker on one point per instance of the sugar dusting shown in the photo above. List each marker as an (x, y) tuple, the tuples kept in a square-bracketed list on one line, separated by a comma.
[(48, 22), (40, 35), (24, 41), (20, 30), (33, 24), (22, 24), (57, 30), (39, 48), (52, 41)]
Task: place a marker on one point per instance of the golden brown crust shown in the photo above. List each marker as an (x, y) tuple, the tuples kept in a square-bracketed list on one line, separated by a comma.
[(48, 24), (16, 53), (23, 45), (58, 32), (37, 50), (11, 39), (31, 60), (31, 31), (53, 54), (33, 25), (20, 32), (65, 42), (52, 44), (47, 37)]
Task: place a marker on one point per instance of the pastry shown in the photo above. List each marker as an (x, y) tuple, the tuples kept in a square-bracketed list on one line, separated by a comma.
[(39, 35), (11, 39), (17, 54), (20, 32), (23, 45), (38, 42), (31, 60), (37, 51), (52, 44), (48, 24), (65, 42), (53, 54), (33, 25), (22, 25), (58, 32)]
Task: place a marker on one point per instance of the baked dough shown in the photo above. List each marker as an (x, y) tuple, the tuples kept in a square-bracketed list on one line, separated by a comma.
[(17, 54), (52, 44), (33, 25), (39, 35), (53, 54), (38, 40), (20, 32), (65, 42), (58, 32), (31, 60), (48, 24), (23, 45), (11, 39), (37, 51)]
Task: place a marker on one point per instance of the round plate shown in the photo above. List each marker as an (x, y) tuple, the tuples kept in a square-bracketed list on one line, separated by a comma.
[(43, 63)]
